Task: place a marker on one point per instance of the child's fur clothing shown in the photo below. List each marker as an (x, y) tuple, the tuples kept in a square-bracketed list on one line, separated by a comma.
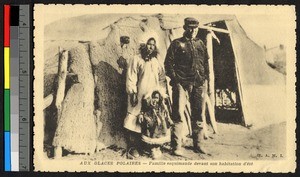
[(155, 120)]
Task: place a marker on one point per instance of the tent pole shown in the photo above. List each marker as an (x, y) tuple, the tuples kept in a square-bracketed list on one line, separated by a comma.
[(60, 92), (211, 84), (210, 96), (62, 75), (210, 28)]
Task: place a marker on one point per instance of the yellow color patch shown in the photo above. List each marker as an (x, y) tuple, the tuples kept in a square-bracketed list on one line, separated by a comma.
[(6, 68)]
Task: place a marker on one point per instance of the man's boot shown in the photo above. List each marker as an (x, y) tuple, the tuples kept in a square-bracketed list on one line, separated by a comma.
[(176, 139), (198, 138)]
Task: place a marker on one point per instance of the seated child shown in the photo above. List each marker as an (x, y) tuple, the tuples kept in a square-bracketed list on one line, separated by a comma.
[(155, 123)]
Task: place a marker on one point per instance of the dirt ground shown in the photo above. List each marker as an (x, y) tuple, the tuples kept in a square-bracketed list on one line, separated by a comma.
[(234, 142)]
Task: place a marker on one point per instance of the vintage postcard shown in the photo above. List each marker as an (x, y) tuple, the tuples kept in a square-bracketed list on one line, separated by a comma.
[(164, 88)]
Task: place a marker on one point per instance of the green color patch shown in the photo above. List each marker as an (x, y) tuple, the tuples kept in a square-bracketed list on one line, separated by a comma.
[(6, 110)]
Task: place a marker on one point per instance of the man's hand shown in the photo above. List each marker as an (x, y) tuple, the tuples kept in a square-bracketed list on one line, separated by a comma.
[(178, 85), (190, 88), (140, 118), (133, 99), (122, 62)]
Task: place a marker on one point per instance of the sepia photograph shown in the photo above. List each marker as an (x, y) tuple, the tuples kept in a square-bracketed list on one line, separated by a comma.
[(164, 88)]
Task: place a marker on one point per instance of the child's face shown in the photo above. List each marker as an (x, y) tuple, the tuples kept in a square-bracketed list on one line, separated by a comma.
[(155, 99)]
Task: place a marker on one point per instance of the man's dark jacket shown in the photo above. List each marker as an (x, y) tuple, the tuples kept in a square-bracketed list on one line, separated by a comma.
[(187, 62)]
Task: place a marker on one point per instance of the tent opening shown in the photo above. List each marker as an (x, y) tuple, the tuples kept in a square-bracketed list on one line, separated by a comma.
[(227, 97)]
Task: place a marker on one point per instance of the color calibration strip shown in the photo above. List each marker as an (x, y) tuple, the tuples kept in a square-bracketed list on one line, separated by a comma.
[(7, 142), (16, 88)]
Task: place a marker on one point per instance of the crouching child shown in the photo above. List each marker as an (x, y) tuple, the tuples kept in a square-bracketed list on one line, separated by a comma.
[(155, 123)]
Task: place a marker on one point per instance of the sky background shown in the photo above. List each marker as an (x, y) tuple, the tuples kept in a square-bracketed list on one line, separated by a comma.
[(265, 27), (266, 30)]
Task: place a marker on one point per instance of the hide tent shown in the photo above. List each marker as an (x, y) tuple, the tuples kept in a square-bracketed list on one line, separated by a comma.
[(243, 88)]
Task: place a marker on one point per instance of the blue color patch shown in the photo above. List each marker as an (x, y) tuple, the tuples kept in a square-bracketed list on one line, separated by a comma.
[(7, 152)]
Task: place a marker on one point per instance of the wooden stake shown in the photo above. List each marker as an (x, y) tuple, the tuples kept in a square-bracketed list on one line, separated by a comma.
[(210, 96), (211, 84), (57, 152), (187, 113), (48, 101), (211, 114), (62, 75)]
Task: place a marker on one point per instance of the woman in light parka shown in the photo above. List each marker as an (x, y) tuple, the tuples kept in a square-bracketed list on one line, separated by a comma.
[(145, 74)]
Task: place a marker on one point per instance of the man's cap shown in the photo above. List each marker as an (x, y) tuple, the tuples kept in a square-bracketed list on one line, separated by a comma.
[(191, 22)]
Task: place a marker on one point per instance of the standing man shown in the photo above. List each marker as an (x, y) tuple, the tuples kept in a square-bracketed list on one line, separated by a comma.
[(186, 64)]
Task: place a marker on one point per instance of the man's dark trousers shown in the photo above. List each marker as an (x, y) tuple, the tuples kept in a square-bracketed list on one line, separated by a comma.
[(181, 96)]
